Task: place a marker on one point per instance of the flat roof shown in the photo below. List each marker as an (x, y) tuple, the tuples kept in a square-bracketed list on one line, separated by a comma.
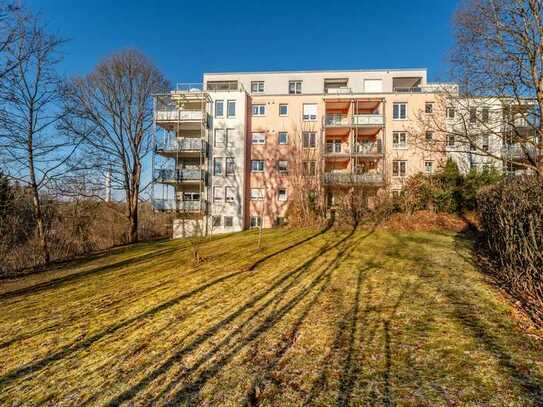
[(318, 71)]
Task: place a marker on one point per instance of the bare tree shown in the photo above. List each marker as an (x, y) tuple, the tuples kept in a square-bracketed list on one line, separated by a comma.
[(497, 61), (110, 112), (30, 98)]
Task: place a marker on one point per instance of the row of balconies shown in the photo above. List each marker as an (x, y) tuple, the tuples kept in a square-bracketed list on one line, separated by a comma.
[(182, 116), (357, 120), (171, 176), (182, 145)]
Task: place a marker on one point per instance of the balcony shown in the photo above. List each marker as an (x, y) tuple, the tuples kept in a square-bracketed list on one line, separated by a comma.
[(181, 146), (178, 115), (374, 149), (519, 152), (372, 120), (168, 176), (350, 179), (337, 120), (177, 205)]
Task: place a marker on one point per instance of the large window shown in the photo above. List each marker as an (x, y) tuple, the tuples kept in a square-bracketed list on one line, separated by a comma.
[(230, 166), (259, 110), (219, 140), (231, 109), (294, 87), (218, 194), (310, 112), (257, 87), (399, 139), (257, 194), (257, 165), (231, 135), (256, 221), (309, 167), (283, 109), (399, 168), (219, 108), (217, 166), (283, 137), (258, 138), (230, 194), (309, 139), (282, 167), (399, 111), (282, 194), (216, 221), (333, 146)]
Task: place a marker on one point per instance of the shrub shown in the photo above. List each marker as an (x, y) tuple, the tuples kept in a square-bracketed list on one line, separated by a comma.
[(511, 215)]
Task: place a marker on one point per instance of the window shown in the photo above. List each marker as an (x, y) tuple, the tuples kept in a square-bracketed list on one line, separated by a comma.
[(309, 139), (472, 115), (216, 221), (486, 142), (399, 168), (259, 110), (399, 111), (396, 193), (230, 166), (294, 87), (283, 109), (310, 112), (283, 137), (429, 167), (472, 146), (258, 138), (333, 146), (219, 108), (228, 221), (282, 166), (450, 140), (257, 194), (191, 196), (373, 85), (399, 139), (217, 166), (282, 194), (231, 135), (218, 194), (429, 136), (231, 108), (230, 194), (450, 113), (256, 221), (219, 140), (257, 165), (280, 220), (429, 107), (309, 168), (485, 114), (257, 87)]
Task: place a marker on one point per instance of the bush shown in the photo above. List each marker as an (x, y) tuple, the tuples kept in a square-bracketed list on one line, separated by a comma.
[(511, 215)]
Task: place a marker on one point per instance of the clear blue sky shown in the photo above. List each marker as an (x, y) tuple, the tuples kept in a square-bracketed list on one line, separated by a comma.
[(186, 38)]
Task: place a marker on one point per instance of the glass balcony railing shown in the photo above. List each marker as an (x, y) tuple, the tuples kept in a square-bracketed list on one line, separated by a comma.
[(177, 205), (172, 115), (368, 120), (347, 178), (174, 145), (343, 120), (184, 175)]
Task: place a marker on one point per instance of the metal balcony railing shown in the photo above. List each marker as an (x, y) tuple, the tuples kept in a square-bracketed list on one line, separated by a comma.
[(347, 178), (177, 205), (342, 120), (174, 176), (181, 145), (375, 148), (336, 120), (368, 120), (172, 115)]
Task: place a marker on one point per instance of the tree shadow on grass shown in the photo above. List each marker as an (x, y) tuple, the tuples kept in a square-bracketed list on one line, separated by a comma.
[(202, 338)]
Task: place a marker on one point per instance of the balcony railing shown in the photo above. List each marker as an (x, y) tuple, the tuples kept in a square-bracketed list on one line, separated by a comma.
[(375, 148), (368, 120), (181, 145), (179, 115), (347, 178), (177, 205), (519, 152), (185, 175), (342, 120)]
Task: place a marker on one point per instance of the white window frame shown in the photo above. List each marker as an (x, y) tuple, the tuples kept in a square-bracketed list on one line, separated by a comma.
[(309, 116), (254, 196), (399, 145), (295, 87), (309, 168), (227, 191), (229, 140), (228, 104), (312, 137), (399, 163), (258, 161), (261, 109), (282, 171), (260, 138), (285, 105), (257, 86), (431, 166), (215, 160), (224, 138), (227, 162), (218, 194), (279, 138), (217, 103), (399, 116), (429, 107), (282, 197), (257, 223), (450, 113), (215, 224), (429, 139), (231, 221)]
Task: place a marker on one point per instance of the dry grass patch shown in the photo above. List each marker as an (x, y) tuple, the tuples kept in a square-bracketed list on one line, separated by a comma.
[(340, 317)]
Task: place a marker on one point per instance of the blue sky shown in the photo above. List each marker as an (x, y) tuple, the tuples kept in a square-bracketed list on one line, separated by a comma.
[(186, 38)]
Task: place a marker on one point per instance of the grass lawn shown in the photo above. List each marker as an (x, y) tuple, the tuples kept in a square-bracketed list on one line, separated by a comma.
[(333, 318)]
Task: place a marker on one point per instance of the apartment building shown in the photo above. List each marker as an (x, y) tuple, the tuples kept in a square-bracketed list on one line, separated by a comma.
[(244, 135)]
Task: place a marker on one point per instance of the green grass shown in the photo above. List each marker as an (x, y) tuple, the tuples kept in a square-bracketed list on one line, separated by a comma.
[(336, 318)]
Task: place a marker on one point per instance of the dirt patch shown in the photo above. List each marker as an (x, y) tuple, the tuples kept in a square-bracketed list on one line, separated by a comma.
[(426, 221)]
